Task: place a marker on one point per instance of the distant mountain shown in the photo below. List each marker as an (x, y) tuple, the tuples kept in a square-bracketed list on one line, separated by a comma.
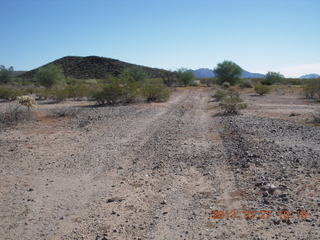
[(203, 73), (312, 75), (93, 67), (246, 74), (208, 73)]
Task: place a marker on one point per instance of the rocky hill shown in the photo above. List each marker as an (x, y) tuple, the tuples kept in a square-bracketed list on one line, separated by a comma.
[(93, 67)]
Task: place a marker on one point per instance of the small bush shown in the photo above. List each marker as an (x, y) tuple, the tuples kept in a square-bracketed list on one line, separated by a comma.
[(14, 114), (245, 83), (154, 90), (312, 89), (232, 104), (225, 85), (220, 94), (194, 84), (316, 117), (261, 89)]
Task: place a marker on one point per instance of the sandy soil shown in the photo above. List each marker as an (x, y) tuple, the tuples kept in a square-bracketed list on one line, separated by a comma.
[(157, 171)]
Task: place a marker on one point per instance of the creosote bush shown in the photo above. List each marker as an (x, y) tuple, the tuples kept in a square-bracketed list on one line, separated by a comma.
[(261, 89), (312, 89), (220, 94), (154, 90), (231, 104)]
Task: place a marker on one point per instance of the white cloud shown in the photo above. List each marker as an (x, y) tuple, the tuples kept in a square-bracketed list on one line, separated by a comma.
[(300, 70)]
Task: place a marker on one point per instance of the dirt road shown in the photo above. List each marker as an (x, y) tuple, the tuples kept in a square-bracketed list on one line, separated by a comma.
[(145, 171)]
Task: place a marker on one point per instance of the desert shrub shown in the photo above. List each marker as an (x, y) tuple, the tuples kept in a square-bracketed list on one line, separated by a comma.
[(13, 114), (9, 93), (272, 78), (134, 74), (65, 112), (57, 93), (194, 84), (316, 116), (261, 89), (225, 85), (154, 90), (220, 94), (50, 75), (112, 93), (311, 89), (77, 91), (232, 103), (228, 71), (245, 83), (184, 76)]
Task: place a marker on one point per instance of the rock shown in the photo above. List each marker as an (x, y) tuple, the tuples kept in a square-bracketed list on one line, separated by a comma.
[(115, 199)]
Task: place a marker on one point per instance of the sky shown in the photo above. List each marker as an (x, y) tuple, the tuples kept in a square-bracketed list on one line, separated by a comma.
[(259, 35)]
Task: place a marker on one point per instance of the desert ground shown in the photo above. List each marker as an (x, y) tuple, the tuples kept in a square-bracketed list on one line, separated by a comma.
[(160, 171)]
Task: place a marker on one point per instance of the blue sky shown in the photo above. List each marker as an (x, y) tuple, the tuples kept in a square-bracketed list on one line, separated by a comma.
[(259, 35)]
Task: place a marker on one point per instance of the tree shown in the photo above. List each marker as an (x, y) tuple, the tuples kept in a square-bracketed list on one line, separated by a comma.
[(134, 74), (50, 75), (272, 78), (5, 74), (184, 76), (227, 71)]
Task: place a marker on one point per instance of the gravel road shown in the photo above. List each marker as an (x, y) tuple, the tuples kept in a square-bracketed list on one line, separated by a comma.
[(157, 171)]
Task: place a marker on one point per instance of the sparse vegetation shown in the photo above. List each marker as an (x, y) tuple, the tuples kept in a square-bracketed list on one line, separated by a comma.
[(261, 89), (228, 71)]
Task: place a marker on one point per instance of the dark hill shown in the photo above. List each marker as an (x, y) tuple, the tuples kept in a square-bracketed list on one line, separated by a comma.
[(93, 67)]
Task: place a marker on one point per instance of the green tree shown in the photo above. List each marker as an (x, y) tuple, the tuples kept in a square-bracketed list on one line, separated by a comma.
[(5, 74), (134, 74), (272, 78), (227, 71), (184, 76), (50, 75)]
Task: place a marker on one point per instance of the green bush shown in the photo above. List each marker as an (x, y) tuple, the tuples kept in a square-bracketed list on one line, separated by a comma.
[(220, 94), (50, 75), (115, 92), (154, 90), (272, 78), (9, 93), (184, 76), (261, 89), (194, 84), (232, 104), (245, 83)]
